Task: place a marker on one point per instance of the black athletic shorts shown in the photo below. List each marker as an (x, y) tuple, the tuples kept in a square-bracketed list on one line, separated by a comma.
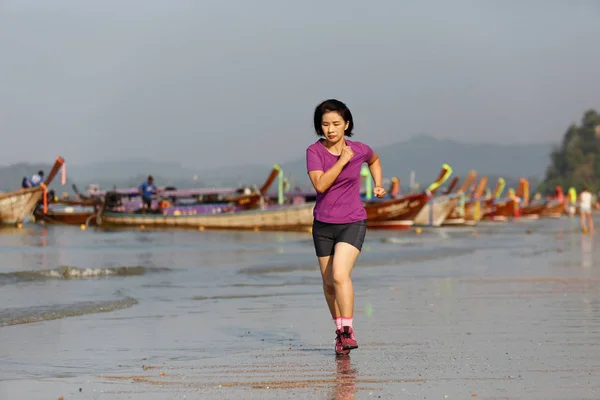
[(147, 201), (325, 235)]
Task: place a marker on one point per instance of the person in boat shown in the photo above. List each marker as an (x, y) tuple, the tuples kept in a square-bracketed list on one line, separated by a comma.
[(146, 190), (25, 183), (585, 207), (36, 179), (340, 220)]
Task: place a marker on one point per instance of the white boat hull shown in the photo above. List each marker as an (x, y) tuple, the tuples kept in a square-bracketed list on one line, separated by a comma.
[(442, 207)]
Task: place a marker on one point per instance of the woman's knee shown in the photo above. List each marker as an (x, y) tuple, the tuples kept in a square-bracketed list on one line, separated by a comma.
[(341, 277), (328, 286)]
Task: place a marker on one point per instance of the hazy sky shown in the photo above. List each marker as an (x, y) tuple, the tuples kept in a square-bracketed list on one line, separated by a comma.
[(204, 82)]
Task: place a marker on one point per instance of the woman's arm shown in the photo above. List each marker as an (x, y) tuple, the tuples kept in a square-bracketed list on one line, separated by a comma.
[(323, 180), (377, 174), (375, 168)]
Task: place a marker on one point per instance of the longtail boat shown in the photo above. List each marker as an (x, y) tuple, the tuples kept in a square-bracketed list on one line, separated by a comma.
[(529, 210), (436, 215), (516, 205), (248, 199), (480, 204), (532, 211), (452, 186), (558, 204), (438, 208), (501, 210), (18, 205), (400, 213), (270, 218), (65, 214), (245, 198), (243, 211), (67, 211), (553, 209), (468, 209), (442, 206)]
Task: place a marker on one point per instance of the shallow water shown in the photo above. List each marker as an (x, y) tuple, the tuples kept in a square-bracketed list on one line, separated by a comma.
[(497, 305)]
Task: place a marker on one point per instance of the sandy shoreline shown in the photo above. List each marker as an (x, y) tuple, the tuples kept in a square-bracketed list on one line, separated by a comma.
[(511, 322)]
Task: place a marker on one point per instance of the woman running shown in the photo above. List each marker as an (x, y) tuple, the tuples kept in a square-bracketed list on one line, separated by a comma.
[(340, 220)]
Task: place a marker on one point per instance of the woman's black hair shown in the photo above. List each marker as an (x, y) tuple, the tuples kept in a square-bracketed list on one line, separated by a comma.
[(329, 106)]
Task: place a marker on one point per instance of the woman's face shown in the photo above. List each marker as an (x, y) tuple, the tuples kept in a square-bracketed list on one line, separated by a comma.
[(333, 126)]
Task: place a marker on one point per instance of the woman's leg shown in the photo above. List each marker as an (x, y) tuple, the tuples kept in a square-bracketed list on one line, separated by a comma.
[(324, 240), (343, 262), (336, 263), (326, 265)]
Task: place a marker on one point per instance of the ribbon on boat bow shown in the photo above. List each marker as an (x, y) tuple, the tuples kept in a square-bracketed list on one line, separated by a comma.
[(45, 188), (443, 178)]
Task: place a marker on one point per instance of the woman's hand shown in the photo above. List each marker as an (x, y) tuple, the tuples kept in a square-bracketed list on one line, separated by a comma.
[(379, 191)]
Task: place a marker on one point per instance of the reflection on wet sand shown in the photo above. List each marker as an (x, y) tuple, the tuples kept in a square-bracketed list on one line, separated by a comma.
[(345, 379), (587, 251), (37, 239)]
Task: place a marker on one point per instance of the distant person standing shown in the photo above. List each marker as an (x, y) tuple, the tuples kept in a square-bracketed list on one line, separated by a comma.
[(37, 179), (585, 207), (340, 219), (147, 189)]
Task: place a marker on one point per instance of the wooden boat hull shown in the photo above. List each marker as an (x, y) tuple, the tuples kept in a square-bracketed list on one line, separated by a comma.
[(532, 211), (442, 207), (271, 219), (553, 210), (16, 206), (65, 217), (472, 214), (501, 211), (397, 213)]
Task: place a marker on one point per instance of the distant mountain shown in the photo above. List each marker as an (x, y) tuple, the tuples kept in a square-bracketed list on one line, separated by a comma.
[(127, 173), (122, 170), (423, 154)]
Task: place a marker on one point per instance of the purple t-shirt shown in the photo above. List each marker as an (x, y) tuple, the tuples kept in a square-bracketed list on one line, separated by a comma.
[(341, 203)]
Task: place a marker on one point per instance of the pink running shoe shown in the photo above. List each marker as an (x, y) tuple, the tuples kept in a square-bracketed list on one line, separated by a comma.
[(347, 338), (339, 349)]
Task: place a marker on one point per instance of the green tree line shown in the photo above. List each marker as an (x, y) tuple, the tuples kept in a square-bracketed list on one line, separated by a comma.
[(576, 162)]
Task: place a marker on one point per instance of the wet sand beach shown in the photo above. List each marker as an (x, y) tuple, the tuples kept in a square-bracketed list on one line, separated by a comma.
[(499, 311)]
